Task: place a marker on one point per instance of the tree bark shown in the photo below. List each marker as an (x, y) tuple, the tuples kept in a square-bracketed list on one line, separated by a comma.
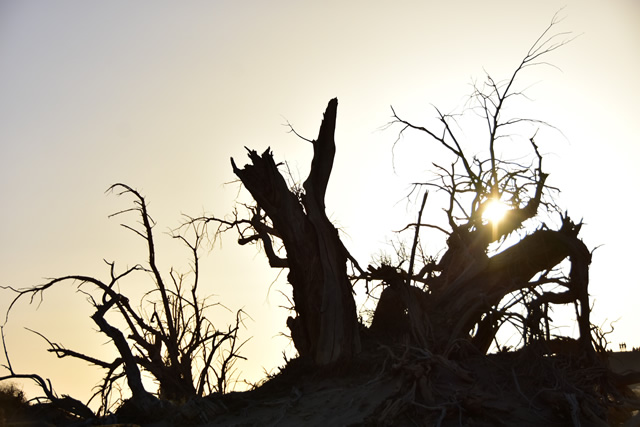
[(325, 329)]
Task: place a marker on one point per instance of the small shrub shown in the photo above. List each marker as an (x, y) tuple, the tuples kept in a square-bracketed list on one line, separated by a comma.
[(12, 401)]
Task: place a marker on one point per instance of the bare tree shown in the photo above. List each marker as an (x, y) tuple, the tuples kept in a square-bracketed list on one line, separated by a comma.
[(168, 336), (325, 329), (467, 295)]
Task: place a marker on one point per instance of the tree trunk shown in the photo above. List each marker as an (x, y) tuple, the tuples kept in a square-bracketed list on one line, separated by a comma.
[(463, 298), (466, 300), (325, 329)]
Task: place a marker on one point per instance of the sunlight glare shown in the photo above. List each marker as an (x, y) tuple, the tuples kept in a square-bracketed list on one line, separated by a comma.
[(494, 211)]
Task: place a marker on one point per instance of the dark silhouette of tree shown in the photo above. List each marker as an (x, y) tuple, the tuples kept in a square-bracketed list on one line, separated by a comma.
[(325, 328), (169, 336), (462, 294)]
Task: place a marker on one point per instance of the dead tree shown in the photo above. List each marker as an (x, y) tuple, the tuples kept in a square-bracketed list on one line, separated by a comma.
[(467, 295), (325, 327), (168, 336)]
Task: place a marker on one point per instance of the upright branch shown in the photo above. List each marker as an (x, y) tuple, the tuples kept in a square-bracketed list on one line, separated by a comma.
[(324, 151), (147, 235)]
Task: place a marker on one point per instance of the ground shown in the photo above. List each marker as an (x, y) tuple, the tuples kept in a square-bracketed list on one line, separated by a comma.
[(403, 386), (396, 386)]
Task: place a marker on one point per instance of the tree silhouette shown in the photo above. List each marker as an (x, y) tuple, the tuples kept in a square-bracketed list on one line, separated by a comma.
[(464, 289), (169, 336), (326, 328)]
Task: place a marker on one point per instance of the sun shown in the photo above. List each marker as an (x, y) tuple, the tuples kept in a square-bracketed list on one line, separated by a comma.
[(494, 211)]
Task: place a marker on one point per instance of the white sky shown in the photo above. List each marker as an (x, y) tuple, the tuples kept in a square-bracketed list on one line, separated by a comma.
[(160, 94)]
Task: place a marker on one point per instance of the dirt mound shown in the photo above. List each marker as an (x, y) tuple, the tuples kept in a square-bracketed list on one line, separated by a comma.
[(399, 387)]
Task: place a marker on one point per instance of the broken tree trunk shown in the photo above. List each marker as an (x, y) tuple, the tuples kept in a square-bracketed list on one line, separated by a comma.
[(461, 303), (469, 298), (325, 329)]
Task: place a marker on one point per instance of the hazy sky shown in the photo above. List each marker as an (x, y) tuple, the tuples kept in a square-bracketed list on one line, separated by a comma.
[(159, 95)]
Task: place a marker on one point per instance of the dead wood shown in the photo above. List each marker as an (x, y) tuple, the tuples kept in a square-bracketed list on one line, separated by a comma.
[(325, 328), (168, 338)]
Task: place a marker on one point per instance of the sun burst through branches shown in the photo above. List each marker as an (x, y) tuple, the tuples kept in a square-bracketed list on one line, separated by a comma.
[(494, 211)]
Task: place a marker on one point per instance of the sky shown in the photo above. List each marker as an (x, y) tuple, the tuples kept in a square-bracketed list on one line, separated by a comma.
[(159, 95)]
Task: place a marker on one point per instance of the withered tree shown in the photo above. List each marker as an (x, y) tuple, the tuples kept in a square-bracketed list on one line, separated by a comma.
[(168, 334), (463, 298), (325, 329)]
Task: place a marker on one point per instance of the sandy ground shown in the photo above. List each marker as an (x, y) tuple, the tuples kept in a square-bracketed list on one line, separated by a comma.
[(486, 391), (359, 399), (621, 362)]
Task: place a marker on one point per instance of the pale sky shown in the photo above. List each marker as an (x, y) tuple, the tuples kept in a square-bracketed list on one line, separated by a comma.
[(159, 95)]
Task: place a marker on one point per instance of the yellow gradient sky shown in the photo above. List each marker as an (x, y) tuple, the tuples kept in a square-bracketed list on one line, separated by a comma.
[(160, 94)]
